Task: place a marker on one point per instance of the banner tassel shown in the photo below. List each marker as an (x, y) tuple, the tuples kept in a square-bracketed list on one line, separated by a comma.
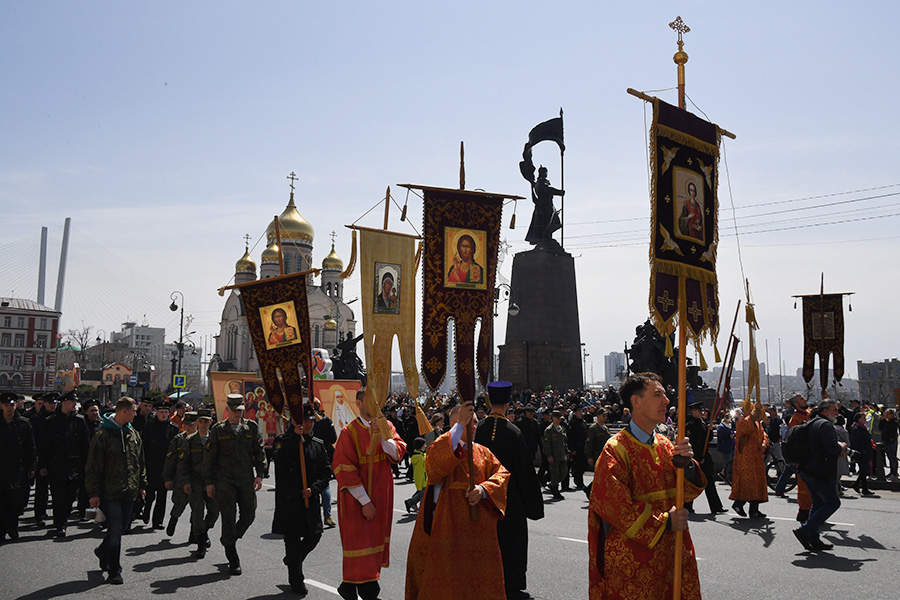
[(670, 352), (351, 265), (512, 221), (422, 421), (418, 257), (703, 365), (716, 350)]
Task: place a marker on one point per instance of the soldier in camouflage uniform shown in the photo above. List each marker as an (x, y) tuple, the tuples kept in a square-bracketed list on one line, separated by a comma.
[(234, 450), (176, 454), (204, 510)]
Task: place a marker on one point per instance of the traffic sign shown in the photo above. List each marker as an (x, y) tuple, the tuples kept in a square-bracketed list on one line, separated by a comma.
[(132, 380), (178, 381)]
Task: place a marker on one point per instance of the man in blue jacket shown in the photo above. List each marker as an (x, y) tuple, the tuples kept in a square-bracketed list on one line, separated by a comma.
[(820, 475)]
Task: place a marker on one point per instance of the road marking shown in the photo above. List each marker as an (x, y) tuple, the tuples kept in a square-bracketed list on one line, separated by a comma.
[(731, 514), (322, 586), (268, 485), (571, 540)]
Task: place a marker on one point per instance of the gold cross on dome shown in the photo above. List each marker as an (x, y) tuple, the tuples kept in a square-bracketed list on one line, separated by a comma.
[(665, 301), (695, 311), (293, 177), (333, 237), (247, 239), (681, 28)]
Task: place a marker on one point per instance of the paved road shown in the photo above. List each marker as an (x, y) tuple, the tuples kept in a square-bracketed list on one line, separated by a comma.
[(739, 559)]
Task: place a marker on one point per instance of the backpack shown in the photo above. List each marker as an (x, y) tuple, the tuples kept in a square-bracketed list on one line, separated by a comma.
[(795, 445)]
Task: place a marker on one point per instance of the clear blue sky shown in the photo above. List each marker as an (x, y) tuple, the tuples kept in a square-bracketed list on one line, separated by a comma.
[(166, 130)]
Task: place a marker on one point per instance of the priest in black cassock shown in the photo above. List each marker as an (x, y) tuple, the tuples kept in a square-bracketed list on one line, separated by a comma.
[(523, 499)]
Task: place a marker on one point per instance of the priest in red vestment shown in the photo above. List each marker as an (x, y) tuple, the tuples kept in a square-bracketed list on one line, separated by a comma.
[(365, 506), (446, 541), (632, 518)]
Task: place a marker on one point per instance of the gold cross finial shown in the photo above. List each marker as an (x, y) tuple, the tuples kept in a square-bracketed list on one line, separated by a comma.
[(293, 177), (333, 237), (681, 27), (247, 240)]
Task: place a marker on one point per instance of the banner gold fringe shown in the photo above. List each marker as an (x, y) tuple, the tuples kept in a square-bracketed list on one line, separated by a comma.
[(351, 265), (703, 365)]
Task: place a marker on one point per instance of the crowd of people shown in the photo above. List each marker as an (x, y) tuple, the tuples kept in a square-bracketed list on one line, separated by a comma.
[(481, 470)]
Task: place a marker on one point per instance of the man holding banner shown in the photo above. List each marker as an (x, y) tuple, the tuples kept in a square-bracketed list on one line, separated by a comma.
[(632, 519), (362, 467)]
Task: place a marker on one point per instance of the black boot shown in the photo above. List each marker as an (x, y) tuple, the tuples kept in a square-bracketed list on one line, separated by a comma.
[(554, 491), (234, 563), (368, 590), (200, 552), (170, 530), (347, 591)]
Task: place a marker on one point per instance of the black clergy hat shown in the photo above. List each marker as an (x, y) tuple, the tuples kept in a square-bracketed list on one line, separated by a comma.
[(500, 392)]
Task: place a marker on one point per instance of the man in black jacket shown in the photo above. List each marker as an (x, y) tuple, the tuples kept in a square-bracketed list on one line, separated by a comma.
[(576, 436), (63, 450), (301, 525), (820, 475), (157, 435), (523, 493), (16, 467)]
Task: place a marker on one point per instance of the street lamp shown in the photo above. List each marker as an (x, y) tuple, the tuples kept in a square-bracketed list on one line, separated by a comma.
[(174, 307), (512, 311), (584, 355)]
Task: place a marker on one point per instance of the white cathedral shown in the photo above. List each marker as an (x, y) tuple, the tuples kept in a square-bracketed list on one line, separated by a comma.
[(331, 320)]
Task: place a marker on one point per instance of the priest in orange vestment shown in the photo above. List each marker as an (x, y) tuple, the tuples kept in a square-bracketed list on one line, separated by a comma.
[(446, 541), (748, 482), (365, 507), (632, 518)]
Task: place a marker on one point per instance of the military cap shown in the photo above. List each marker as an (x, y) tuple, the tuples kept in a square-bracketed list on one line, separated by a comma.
[(529, 407), (235, 401), (37, 396), (500, 392), (146, 400), (698, 404), (69, 396), (308, 413), (601, 411), (189, 418), (204, 413), (89, 403), (556, 414), (162, 404), (50, 397), (9, 398)]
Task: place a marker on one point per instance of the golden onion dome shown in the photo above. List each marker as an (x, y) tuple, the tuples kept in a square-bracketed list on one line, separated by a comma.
[(270, 254), (245, 264), (330, 324), (292, 225), (332, 261)]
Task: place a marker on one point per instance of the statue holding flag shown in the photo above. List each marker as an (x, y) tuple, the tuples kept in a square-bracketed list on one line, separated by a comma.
[(545, 220)]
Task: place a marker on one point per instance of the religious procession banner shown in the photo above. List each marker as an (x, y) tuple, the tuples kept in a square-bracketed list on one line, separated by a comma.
[(277, 312), (823, 334), (256, 404), (387, 263), (337, 399), (462, 235), (684, 158)]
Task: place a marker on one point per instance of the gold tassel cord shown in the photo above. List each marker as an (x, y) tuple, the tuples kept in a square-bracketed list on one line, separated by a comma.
[(351, 265), (703, 365)]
